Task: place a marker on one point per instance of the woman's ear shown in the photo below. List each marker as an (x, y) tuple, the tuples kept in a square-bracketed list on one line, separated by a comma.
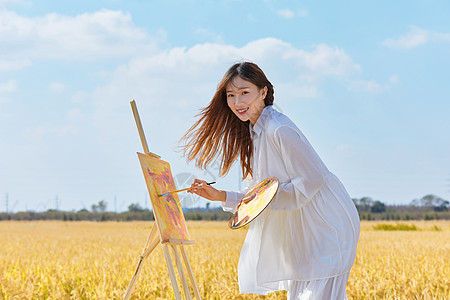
[(264, 92)]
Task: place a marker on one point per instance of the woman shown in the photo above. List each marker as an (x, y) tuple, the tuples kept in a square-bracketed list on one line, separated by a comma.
[(305, 240)]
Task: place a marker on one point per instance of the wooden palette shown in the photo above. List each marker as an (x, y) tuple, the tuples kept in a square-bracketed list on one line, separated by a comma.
[(254, 202)]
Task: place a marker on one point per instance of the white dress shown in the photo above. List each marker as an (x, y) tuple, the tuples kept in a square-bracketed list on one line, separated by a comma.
[(305, 240)]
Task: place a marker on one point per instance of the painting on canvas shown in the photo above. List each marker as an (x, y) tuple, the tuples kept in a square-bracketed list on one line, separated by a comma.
[(167, 209)]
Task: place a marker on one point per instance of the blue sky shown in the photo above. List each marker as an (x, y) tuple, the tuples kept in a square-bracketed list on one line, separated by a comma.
[(366, 81)]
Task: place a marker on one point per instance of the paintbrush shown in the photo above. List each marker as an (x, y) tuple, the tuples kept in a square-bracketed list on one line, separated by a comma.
[(186, 189)]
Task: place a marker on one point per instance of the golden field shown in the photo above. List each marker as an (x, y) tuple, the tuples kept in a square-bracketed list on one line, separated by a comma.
[(96, 260)]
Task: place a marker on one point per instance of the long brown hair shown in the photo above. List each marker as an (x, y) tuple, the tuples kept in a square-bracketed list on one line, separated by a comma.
[(219, 128)]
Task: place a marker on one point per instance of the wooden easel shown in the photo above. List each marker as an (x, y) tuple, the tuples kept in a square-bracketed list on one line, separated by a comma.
[(155, 238)]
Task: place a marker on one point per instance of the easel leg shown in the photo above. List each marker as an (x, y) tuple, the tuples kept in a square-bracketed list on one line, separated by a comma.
[(173, 279), (148, 249), (151, 236), (190, 274), (187, 293)]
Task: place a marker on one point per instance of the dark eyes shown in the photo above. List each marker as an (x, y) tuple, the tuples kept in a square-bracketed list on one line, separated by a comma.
[(232, 95)]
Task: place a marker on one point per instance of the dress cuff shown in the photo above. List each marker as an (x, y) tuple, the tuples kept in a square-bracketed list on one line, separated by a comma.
[(232, 201)]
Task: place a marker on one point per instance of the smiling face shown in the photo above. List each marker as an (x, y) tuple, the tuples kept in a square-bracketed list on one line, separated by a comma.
[(245, 99)]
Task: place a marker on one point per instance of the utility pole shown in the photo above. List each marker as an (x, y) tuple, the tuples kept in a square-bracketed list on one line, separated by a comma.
[(56, 202), (115, 204), (6, 202)]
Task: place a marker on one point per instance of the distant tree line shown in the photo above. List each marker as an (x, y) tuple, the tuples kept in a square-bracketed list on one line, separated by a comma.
[(429, 207), (99, 212)]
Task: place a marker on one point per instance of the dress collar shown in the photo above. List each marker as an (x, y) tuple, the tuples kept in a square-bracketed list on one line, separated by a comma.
[(259, 125)]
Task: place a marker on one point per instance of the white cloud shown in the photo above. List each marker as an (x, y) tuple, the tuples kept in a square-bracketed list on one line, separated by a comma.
[(372, 86), (98, 35), (416, 37), (6, 65), (326, 60), (286, 13), (8, 87), (2, 2), (289, 14)]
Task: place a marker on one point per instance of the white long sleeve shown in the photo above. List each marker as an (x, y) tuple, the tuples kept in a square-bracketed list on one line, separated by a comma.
[(303, 167), (233, 198)]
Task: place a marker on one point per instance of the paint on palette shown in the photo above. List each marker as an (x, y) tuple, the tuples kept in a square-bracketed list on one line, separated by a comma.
[(262, 194)]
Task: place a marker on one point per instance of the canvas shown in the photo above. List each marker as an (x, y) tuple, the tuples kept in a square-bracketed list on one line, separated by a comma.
[(167, 209)]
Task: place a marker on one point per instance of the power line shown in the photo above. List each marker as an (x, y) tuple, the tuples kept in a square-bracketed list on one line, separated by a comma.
[(14, 206)]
